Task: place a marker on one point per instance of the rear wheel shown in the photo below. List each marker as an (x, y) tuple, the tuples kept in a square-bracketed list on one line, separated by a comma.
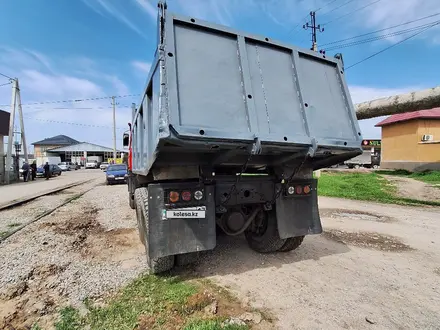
[(131, 201), (155, 265), (262, 235), (292, 243)]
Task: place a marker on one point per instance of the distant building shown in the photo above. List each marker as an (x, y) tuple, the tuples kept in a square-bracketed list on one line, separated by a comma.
[(41, 147), (411, 141), (66, 149)]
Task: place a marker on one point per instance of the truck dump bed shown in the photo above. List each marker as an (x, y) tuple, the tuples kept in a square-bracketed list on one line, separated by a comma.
[(214, 92)]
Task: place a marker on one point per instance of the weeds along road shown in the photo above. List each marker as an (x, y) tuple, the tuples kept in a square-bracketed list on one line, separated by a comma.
[(374, 264)]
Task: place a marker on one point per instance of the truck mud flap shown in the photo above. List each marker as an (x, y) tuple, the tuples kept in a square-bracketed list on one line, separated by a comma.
[(176, 236), (299, 215)]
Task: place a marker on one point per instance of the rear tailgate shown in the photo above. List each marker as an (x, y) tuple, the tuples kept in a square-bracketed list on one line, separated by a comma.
[(225, 84)]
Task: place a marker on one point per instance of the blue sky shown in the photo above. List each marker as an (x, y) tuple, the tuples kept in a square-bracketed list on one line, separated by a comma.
[(76, 49)]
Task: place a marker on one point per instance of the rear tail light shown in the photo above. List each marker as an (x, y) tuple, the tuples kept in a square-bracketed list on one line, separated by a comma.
[(174, 196), (306, 189), (186, 196), (297, 189), (198, 195)]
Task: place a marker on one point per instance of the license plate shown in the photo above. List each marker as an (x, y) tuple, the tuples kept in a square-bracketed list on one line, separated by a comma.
[(119, 178), (187, 213)]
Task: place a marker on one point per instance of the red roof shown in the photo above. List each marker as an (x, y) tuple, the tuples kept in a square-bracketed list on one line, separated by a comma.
[(422, 114)]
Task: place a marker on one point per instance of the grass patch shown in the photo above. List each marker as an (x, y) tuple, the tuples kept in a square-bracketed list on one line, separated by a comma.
[(363, 186), (3, 234), (150, 302), (69, 319), (15, 224), (213, 325)]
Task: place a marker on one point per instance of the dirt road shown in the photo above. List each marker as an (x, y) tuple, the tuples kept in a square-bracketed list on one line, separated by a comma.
[(410, 188), (339, 280), (342, 280)]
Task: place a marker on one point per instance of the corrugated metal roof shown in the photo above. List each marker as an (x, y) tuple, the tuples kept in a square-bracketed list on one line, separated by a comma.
[(422, 114), (59, 140), (83, 146)]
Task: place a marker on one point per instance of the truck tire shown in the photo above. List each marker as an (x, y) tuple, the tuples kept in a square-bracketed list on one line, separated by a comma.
[(155, 265), (269, 239), (291, 244), (131, 201)]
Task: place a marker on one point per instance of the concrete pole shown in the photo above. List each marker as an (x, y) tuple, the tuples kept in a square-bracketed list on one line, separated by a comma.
[(114, 128), (20, 114), (414, 101), (11, 132)]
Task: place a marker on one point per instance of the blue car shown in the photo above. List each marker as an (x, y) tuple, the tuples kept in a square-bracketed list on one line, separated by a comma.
[(116, 173)]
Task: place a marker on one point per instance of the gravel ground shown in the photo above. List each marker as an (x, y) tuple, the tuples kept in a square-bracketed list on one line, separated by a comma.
[(375, 265), (87, 248), (23, 214)]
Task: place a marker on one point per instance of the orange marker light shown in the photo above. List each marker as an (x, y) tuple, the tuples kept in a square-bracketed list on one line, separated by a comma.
[(174, 196), (306, 189)]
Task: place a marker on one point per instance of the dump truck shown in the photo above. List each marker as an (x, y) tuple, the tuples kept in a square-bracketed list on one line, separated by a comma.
[(227, 135)]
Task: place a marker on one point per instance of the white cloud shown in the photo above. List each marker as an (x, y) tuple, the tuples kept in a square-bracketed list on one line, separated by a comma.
[(394, 12), (113, 10), (49, 119), (144, 67), (148, 8)]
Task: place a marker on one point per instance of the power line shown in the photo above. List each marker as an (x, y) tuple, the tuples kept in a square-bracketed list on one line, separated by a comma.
[(306, 16), (326, 5), (6, 84), (381, 37), (6, 76), (70, 123), (352, 12), (381, 30), (340, 6), (76, 100), (393, 45)]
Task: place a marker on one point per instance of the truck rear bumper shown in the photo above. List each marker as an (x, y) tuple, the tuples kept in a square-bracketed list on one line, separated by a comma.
[(180, 228)]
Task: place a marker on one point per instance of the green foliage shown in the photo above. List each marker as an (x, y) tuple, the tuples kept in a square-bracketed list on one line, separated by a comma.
[(213, 325)]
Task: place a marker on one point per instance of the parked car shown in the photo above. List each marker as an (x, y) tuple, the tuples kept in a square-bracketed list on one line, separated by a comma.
[(103, 166), (54, 170), (92, 164), (116, 173), (67, 166)]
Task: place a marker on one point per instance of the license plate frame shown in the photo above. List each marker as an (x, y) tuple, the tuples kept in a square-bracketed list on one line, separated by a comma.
[(186, 213)]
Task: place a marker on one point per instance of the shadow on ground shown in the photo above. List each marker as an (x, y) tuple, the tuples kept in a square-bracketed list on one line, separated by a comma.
[(233, 256)]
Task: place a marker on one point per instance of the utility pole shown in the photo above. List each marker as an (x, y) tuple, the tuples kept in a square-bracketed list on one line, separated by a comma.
[(114, 128), (16, 98), (314, 28), (20, 113)]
